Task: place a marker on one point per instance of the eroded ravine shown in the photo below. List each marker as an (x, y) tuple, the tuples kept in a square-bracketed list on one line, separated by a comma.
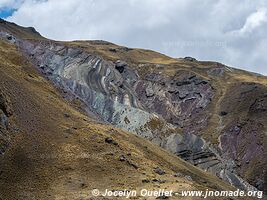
[(155, 107)]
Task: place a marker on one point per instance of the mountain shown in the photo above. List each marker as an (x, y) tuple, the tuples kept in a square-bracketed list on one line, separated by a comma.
[(91, 114)]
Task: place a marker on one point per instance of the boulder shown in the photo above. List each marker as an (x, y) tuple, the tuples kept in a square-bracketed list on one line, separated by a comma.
[(191, 59), (120, 65), (110, 141)]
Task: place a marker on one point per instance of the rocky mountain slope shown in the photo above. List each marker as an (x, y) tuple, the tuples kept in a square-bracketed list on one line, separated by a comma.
[(211, 115)]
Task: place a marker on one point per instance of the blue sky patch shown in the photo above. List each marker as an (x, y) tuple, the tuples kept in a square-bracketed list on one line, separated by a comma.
[(6, 12)]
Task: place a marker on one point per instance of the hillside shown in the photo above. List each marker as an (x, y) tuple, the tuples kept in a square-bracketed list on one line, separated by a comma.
[(60, 101)]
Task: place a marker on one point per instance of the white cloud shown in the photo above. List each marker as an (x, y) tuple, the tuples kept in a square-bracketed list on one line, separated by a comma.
[(254, 20), (10, 3), (228, 31)]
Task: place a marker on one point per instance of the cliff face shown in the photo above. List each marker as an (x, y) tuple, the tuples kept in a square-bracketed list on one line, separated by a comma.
[(211, 115)]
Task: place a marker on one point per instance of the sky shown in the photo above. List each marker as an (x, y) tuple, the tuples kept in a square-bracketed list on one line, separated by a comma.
[(233, 32)]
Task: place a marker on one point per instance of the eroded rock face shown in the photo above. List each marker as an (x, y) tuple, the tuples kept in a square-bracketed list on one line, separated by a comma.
[(177, 99), (260, 105), (236, 146), (243, 139), (169, 111), (8, 37), (218, 71)]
